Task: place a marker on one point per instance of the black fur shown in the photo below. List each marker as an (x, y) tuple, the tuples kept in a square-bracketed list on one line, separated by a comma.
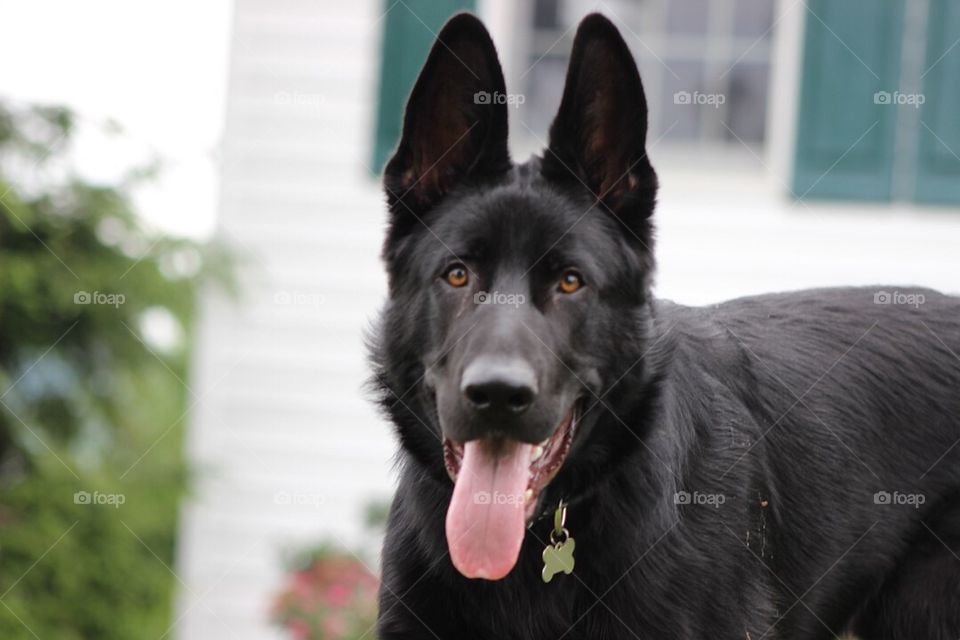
[(795, 408)]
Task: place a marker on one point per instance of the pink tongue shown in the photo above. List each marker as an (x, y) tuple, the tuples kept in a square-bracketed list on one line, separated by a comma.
[(486, 521)]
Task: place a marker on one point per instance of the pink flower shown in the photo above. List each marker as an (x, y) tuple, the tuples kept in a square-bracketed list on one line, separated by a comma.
[(300, 629), (339, 595), (334, 626), (334, 598)]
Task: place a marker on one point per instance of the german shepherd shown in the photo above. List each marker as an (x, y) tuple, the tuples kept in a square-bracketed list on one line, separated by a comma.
[(579, 459)]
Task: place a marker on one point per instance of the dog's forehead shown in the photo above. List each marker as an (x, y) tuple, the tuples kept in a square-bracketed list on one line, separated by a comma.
[(518, 212), (504, 222), (522, 221)]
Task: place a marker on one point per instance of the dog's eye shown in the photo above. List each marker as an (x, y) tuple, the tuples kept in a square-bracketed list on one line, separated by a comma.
[(457, 276), (570, 281)]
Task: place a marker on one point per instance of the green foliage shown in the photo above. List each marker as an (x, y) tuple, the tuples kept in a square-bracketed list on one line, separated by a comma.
[(91, 413)]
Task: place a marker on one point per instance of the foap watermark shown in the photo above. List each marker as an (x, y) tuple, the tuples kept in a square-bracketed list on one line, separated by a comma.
[(298, 99), (512, 499), (496, 297), (111, 499), (898, 98), (900, 499), (698, 98), (298, 498), (899, 298), (714, 500), (298, 299), (509, 99), (99, 297)]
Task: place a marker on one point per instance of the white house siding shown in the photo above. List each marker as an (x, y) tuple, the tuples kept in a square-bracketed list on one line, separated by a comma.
[(278, 378), (279, 410), (726, 232)]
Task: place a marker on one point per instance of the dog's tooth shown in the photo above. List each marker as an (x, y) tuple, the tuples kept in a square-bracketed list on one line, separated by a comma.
[(536, 453)]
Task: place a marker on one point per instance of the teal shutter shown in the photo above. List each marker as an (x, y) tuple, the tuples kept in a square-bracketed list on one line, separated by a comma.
[(845, 139), (409, 30), (938, 164)]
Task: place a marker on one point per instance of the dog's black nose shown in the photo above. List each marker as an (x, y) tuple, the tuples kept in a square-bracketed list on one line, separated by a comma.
[(499, 385)]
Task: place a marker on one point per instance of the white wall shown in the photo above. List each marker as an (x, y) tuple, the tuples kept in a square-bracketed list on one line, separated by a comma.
[(280, 413)]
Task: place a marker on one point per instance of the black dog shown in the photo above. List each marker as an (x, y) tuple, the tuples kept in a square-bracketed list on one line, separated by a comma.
[(784, 466)]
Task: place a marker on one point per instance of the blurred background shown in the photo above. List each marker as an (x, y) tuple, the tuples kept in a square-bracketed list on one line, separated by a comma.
[(190, 222)]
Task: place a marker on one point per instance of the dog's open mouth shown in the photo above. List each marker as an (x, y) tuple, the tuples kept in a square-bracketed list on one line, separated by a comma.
[(545, 460), (497, 483)]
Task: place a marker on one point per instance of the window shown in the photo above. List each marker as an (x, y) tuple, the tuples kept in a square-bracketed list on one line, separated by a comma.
[(704, 64)]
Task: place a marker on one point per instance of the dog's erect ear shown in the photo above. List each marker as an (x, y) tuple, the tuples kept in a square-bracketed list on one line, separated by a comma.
[(455, 124), (598, 137)]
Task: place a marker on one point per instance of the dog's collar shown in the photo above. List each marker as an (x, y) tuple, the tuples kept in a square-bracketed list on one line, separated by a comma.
[(548, 512)]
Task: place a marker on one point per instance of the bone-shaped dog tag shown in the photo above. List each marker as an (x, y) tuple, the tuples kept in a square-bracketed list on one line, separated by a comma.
[(558, 557)]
